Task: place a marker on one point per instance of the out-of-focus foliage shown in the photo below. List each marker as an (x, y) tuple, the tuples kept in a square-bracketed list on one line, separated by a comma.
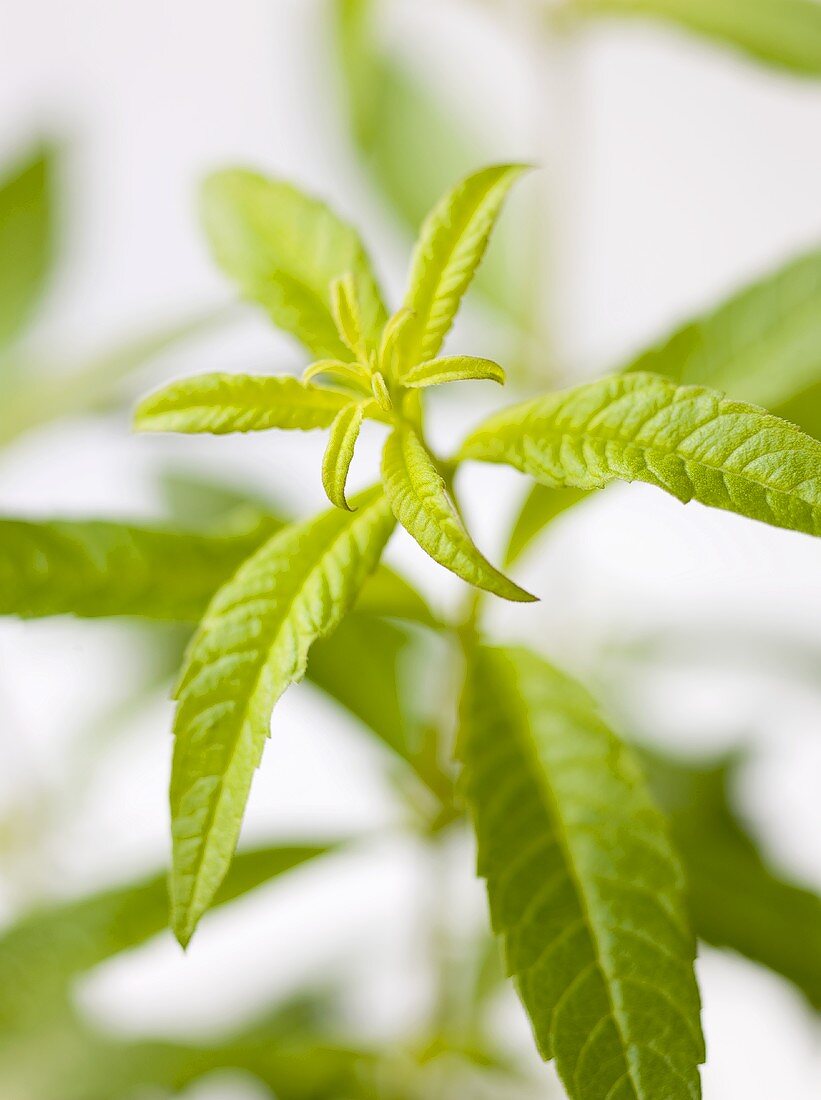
[(782, 33), (27, 230), (736, 898), (414, 146), (733, 348)]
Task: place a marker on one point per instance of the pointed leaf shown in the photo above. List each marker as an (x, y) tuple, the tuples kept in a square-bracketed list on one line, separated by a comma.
[(583, 884), (222, 403), (339, 453), (784, 33), (421, 503), (456, 368), (284, 249), (251, 644), (347, 315), (414, 145), (26, 240), (450, 248), (763, 345), (688, 440)]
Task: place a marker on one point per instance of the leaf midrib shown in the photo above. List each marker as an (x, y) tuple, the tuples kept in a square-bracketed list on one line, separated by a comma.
[(580, 435), (240, 725), (542, 782), (429, 299)]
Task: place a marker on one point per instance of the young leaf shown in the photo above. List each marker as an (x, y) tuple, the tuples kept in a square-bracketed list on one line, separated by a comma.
[(457, 368), (93, 568), (777, 320), (348, 374), (285, 249), (348, 315), (542, 505), (413, 147), (450, 248), (688, 440), (222, 403), (421, 503), (26, 240), (52, 946), (339, 453), (583, 884), (783, 33), (251, 644)]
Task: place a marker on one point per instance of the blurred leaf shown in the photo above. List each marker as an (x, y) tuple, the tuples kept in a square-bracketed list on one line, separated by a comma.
[(689, 441), (251, 644), (783, 33), (44, 951), (97, 568), (541, 506), (382, 700), (737, 900), (103, 569), (41, 396), (285, 249), (389, 594), (763, 345), (584, 887), (26, 239), (415, 149), (71, 1062), (804, 410)]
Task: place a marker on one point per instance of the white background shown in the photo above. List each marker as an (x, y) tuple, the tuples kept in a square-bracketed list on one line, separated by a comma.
[(674, 172)]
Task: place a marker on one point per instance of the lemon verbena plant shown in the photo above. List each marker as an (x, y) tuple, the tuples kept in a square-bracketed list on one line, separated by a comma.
[(585, 887)]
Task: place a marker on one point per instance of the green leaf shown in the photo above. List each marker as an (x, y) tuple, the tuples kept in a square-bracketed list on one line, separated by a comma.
[(450, 248), (99, 569), (389, 594), (688, 440), (251, 644), (222, 403), (45, 950), (414, 147), (763, 345), (339, 453), (94, 568), (456, 368), (583, 884), (542, 505), (737, 900), (285, 249), (26, 240), (347, 315), (420, 501), (783, 33)]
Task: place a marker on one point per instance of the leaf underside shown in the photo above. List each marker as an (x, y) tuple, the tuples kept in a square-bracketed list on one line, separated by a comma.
[(251, 644), (420, 502), (688, 440), (583, 884)]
